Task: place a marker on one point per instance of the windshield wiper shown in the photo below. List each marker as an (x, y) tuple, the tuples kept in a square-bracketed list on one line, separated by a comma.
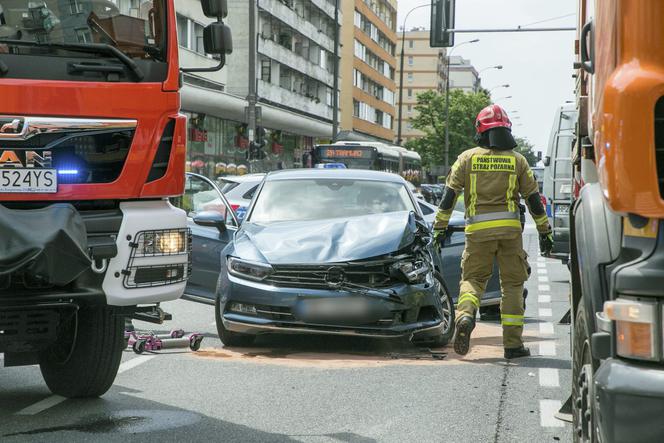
[(95, 48)]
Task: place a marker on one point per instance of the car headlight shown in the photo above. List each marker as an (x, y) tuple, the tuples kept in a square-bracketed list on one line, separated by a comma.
[(410, 271), (636, 326), (162, 242), (248, 269)]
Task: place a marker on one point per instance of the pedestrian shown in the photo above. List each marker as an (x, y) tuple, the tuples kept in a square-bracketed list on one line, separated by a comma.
[(493, 177)]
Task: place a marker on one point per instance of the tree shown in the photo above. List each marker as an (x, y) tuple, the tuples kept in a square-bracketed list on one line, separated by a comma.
[(525, 148), (430, 119)]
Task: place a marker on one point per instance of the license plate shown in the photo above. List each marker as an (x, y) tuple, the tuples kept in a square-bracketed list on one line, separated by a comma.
[(29, 180)]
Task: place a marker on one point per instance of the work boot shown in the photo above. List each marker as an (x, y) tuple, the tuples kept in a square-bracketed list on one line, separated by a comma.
[(463, 329), (519, 352)]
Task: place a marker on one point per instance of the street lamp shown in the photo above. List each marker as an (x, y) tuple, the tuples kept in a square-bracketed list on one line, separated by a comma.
[(499, 86), (447, 102), (479, 80), (403, 46)]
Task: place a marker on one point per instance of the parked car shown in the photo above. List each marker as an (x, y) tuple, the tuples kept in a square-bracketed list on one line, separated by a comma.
[(328, 251), (451, 255), (239, 189)]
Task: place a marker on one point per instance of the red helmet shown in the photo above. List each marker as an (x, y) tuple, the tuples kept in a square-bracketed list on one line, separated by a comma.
[(493, 116)]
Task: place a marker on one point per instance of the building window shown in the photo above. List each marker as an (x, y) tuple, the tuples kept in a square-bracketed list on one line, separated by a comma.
[(410, 77), (183, 30), (266, 70), (285, 78), (410, 44), (356, 108), (410, 108), (410, 92), (410, 60)]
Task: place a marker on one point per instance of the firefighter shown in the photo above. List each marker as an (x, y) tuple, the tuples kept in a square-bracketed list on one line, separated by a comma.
[(493, 177)]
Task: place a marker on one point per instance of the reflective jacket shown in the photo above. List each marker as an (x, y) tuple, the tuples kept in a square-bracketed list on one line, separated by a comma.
[(494, 182)]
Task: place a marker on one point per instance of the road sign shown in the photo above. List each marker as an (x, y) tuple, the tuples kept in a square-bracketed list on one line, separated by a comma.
[(442, 19)]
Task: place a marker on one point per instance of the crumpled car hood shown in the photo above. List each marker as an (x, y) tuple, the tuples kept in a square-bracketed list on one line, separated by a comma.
[(326, 241)]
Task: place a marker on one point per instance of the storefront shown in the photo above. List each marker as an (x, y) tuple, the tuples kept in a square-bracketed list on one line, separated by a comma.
[(217, 139)]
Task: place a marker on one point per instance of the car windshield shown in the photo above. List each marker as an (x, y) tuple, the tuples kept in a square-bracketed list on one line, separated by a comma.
[(135, 27), (299, 200)]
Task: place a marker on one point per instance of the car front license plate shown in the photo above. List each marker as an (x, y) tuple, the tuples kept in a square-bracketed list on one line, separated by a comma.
[(29, 180)]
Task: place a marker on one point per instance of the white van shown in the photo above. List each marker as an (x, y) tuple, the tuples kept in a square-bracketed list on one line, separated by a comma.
[(557, 187)]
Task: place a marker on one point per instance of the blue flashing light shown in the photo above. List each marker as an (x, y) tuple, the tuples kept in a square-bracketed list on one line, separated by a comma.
[(68, 172)]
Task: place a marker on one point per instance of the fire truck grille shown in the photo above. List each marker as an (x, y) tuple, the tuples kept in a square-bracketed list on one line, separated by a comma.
[(87, 157)]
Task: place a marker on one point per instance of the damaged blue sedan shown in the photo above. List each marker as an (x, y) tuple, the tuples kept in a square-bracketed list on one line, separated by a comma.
[(343, 252)]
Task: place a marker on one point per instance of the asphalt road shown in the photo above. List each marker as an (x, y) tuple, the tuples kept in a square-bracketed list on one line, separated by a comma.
[(317, 389)]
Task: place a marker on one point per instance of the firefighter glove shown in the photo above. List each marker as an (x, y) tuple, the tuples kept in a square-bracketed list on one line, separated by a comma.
[(439, 236), (546, 243)]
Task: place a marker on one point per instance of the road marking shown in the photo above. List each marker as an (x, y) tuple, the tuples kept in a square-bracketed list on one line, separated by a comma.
[(543, 288), (130, 364), (542, 278), (545, 312), (547, 348), (548, 377), (546, 328), (541, 265), (42, 405), (54, 400), (541, 259), (544, 298), (542, 271), (548, 409)]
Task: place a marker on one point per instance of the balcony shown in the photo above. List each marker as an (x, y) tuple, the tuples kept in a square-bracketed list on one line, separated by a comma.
[(290, 17), (293, 100), (286, 57)]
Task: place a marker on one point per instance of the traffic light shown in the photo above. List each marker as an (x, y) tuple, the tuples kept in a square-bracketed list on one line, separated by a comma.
[(442, 19), (256, 151)]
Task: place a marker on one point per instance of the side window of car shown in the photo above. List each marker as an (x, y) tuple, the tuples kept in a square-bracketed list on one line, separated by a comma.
[(426, 210), (250, 193), (200, 195)]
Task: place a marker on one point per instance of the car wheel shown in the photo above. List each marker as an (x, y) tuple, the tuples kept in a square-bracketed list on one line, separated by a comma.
[(85, 359), (230, 338), (584, 430), (446, 310)]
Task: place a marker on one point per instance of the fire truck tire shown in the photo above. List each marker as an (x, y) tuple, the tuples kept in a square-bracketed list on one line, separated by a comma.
[(584, 428), (85, 359)]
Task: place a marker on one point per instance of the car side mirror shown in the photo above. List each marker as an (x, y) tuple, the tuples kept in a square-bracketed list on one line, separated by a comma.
[(546, 161), (212, 219), (215, 8)]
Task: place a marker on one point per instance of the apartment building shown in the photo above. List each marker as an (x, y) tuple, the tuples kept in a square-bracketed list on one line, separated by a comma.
[(424, 70), (368, 68), (463, 74), (294, 77)]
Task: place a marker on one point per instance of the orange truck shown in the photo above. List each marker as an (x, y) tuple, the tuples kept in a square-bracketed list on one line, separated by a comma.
[(617, 228), (92, 145)]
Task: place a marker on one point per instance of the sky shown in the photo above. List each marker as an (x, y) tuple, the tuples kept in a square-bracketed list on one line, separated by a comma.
[(536, 65)]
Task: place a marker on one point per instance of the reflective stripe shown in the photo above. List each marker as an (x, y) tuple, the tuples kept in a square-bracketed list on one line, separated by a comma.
[(510, 193), (473, 195), (541, 220), (492, 216), (530, 173), (493, 224), (467, 296), (443, 217), (511, 320)]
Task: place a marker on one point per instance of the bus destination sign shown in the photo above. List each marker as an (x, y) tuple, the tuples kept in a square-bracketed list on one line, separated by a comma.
[(345, 153)]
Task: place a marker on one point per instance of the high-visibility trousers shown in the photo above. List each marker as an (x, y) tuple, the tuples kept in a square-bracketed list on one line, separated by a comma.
[(477, 266)]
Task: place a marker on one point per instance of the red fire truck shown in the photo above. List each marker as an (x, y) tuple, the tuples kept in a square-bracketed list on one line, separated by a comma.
[(92, 145)]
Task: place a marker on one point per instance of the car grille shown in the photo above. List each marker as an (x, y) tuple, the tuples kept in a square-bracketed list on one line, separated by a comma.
[(659, 143), (316, 277)]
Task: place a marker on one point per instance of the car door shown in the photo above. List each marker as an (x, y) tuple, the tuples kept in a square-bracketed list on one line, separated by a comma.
[(202, 194)]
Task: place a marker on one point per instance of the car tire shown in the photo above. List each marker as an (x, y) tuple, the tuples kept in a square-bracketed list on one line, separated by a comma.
[(85, 359), (583, 414), (230, 338), (447, 306)]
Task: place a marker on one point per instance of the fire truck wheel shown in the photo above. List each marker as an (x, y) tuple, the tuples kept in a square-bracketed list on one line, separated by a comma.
[(230, 338), (85, 359)]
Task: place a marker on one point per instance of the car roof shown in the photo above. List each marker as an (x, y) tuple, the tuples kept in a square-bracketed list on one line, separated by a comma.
[(349, 174), (242, 178)]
